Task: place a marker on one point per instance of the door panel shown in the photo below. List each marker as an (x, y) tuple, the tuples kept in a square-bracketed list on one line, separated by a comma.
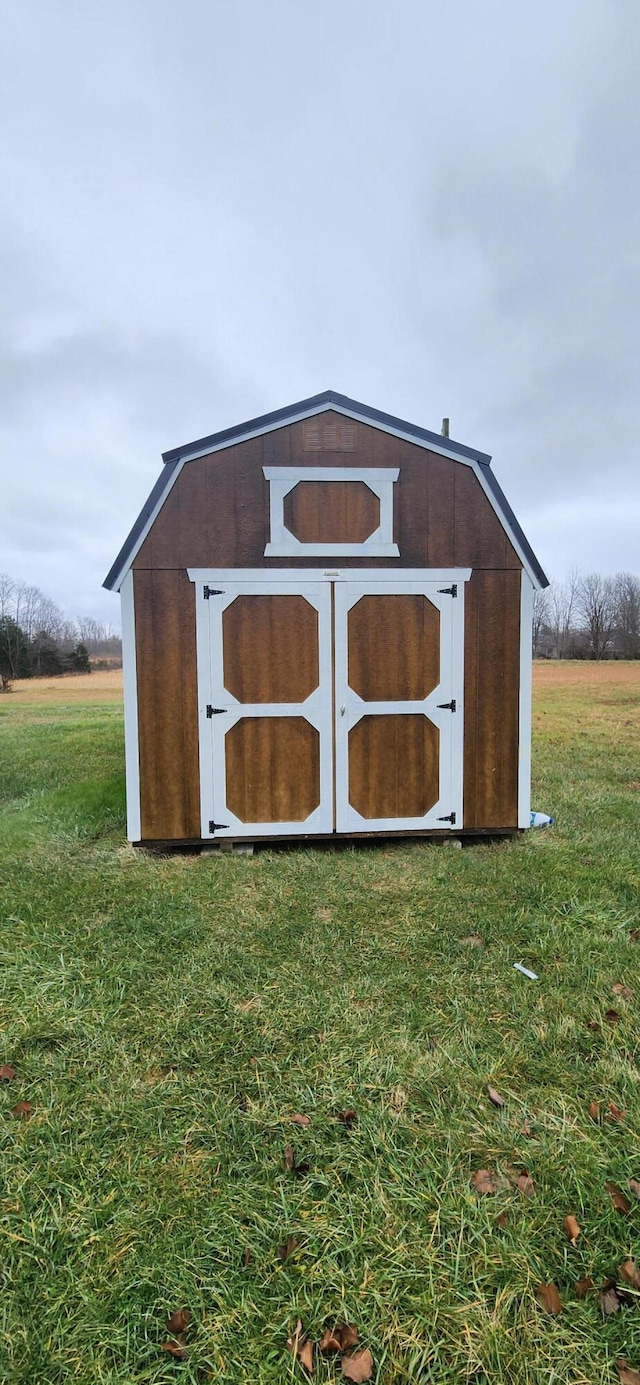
[(398, 669), (266, 733)]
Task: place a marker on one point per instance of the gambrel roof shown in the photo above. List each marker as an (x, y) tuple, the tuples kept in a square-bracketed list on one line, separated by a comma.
[(175, 459)]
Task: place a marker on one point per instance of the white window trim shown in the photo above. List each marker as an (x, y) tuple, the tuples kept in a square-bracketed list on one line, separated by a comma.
[(283, 479)]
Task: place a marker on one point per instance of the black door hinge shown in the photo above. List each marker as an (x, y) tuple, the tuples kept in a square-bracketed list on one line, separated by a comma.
[(449, 591), (446, 706), (210, 591), (215, 826), (451, 817), (214, 711)]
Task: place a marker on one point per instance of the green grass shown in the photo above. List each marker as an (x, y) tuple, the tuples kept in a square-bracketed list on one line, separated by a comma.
[(167, 1016)]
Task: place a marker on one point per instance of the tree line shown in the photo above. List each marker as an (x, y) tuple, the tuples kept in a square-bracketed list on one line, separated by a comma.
[(38, 640), (588, 617)]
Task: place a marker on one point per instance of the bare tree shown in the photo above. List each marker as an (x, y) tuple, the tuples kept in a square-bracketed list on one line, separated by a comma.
[(540, 617), (562, 610), (596, 605), (627, 618)]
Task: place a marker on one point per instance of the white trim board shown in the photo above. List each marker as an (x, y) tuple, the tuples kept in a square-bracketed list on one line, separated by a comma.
[(130, 678), (329, 574), (310, 413), (525, 699)]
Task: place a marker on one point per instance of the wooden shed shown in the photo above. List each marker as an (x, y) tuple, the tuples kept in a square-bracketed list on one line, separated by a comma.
[(326, 619)]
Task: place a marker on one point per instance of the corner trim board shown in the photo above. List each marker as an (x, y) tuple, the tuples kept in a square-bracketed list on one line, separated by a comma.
[(130, 678), (524, 711)]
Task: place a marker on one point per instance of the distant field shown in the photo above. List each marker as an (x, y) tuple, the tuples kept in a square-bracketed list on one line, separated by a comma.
[(166, 1017)]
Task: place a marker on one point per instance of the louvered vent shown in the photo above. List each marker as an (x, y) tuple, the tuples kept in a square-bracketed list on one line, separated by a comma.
[(328, 435)]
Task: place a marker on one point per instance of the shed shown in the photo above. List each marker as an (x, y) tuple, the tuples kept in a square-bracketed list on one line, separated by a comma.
[(326, 622)]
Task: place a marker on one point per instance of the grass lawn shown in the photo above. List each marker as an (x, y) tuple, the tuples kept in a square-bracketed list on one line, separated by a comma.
[(166, 1017)]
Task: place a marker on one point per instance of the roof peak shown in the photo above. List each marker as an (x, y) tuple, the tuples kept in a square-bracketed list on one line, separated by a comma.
[(316, 404)]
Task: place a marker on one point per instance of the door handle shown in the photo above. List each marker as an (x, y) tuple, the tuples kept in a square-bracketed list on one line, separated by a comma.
[(342, 710)]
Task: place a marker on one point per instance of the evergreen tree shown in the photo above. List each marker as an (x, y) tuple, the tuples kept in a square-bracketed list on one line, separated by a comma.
[(15, 655)]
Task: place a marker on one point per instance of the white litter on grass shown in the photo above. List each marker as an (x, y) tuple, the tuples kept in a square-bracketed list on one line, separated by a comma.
[(525, 971)]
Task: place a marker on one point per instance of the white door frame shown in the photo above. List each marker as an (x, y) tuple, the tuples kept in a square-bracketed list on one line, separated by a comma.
[(315, 585)]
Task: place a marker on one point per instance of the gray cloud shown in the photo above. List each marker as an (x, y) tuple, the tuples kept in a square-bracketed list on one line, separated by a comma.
[(216, 209)]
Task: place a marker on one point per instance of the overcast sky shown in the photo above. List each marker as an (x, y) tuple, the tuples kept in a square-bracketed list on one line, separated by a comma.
[(213, 208)]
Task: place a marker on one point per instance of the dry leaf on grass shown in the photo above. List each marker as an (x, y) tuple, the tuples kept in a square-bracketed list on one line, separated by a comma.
[(571, 1230), (608, 1301), (348, 1117), (615, 1113), (177, 1348), (620, 1202), (246, 1256), (337, 1339), (301, 1348), (288, 1248), (7, 1073), (634, 1186), (358, 1366), (612, 1016), (302, 1121), (627, 1375), (625, 991), (179, 1321), (525, 1184), (474, 940), (482, 1181), (525, 1129), (289, 1157), (494, 1096), (594, 1111), (630, 1273), (501, 1221), (549, 1299), (634, 936), (584, 1287), (22, 1110)]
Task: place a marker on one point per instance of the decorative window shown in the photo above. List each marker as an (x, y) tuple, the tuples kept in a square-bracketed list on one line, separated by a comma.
[(331, 511)]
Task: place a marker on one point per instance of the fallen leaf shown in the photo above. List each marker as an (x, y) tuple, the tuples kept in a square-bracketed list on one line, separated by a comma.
[(626, 1373), (22, 1110), (501, 1221), (630, 1273), (348, 1117), (287, 1249), (246, 1256), (611, 1016), (474, 940), (634, 936), (494, 1096), (615, 1112), (549, 1299), (571, 1230), (339, 1338), (7, 1073), (483, 1182), (625, 991), (358, 1366), (620, 1202), (301, 1120), (594, 1111), (179, 1321), (584, 1287), (289, 1157), (525, 1184), (593, 1025), (525, 1129), (634, 1186), (608, 1301), (178, 1349), (301, 1348)]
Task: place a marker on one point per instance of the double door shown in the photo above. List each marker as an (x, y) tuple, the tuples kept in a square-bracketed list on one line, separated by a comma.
[(329, 702)]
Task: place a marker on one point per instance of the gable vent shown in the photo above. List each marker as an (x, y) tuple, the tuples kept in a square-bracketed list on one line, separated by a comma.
[(330, 435)]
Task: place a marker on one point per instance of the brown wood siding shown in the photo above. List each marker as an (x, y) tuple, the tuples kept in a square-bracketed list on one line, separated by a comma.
[(167, 705), (491, 691), (217, 514)]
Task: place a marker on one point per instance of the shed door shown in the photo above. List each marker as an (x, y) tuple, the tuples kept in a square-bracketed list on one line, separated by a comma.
[(398, 669), (266, 734)]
